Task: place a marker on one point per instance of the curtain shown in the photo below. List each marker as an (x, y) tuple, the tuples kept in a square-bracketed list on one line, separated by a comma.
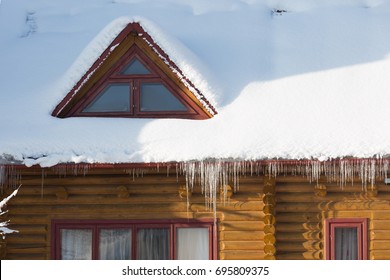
[(76, 244), (346, 243), (153, 244), (192, 243), (115, 244)]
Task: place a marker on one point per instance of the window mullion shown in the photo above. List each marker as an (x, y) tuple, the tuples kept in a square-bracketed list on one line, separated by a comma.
[(95, 242), (173, 242), (135, 96)]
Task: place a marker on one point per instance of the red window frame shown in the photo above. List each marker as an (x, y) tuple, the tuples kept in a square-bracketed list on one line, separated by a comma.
[(134, 225), (330, 227), (114, 75)]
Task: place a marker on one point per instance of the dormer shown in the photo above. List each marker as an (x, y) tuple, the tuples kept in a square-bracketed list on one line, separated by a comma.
[(134, 78)]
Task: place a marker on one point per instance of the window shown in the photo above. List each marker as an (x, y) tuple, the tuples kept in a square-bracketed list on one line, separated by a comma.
[(134, 89), (125, 240), (134, 78), (346, 239)]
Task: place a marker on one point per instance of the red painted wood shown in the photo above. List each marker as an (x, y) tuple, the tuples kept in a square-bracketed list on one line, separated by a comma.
[(134, 225), (359, 223)]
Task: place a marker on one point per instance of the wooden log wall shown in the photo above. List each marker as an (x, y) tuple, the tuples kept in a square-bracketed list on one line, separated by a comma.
[(301, 208), (119, 194), (268, 218)]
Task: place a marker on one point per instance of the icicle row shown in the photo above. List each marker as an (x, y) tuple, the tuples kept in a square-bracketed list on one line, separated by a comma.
[(214, 176)]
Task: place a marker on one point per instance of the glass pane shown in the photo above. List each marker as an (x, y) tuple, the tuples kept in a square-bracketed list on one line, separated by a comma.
[(192, 244), (114, 98), (153, 244), (156, 97), (115, 244), (76, 244), (135, 67), (346, 243)]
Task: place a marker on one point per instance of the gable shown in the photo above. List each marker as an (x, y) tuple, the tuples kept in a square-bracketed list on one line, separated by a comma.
[(134, 78)]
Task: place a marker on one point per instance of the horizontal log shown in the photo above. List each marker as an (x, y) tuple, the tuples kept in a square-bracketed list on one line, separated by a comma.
[(138, 215), (241, 245), (301, 237), (380, 245), (306, 187), (121, 206), (351, 214), (242, 255), (232, 206), (290, 256), (25, 239), (100, 180), (380, 225), (380, 255), (28, 219), (292, 188), (379, 235), (241, 235), (299, 198), (289, 246), (29, 256), (139, 199), (116, 208), (297, 207), (241, 225), (99, 189), (298, 227), (30, 229), (243, 216), (306, 217), (380, 215), (33, 249)]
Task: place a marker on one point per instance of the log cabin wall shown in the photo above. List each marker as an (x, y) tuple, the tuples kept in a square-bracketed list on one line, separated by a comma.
[(109, 194), (268, 218), (301, 208)]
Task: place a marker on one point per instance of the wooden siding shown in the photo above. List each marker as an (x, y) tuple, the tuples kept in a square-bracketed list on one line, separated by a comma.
[(268, 218), (117, 194), (302, 207)]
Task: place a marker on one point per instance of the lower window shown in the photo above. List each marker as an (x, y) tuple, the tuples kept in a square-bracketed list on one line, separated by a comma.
[(346, 239), (142, 240)]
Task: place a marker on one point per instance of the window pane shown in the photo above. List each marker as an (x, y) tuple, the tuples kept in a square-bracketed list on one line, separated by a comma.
[(115, 244), (346, 243), (192, 243), (153, 244), (76, 244), (135, 67), (156, 97), (114, 98)]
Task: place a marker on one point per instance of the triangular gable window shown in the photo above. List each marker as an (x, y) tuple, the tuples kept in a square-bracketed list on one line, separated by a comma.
[(113, 98), (156, 97), (135, 67), (133, 79)]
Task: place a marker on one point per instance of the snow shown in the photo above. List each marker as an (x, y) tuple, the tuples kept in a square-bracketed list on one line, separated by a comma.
[(308, 83), (3, 225)]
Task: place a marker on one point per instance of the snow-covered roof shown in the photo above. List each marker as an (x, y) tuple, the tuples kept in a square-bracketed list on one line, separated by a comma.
[(290, 79)]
